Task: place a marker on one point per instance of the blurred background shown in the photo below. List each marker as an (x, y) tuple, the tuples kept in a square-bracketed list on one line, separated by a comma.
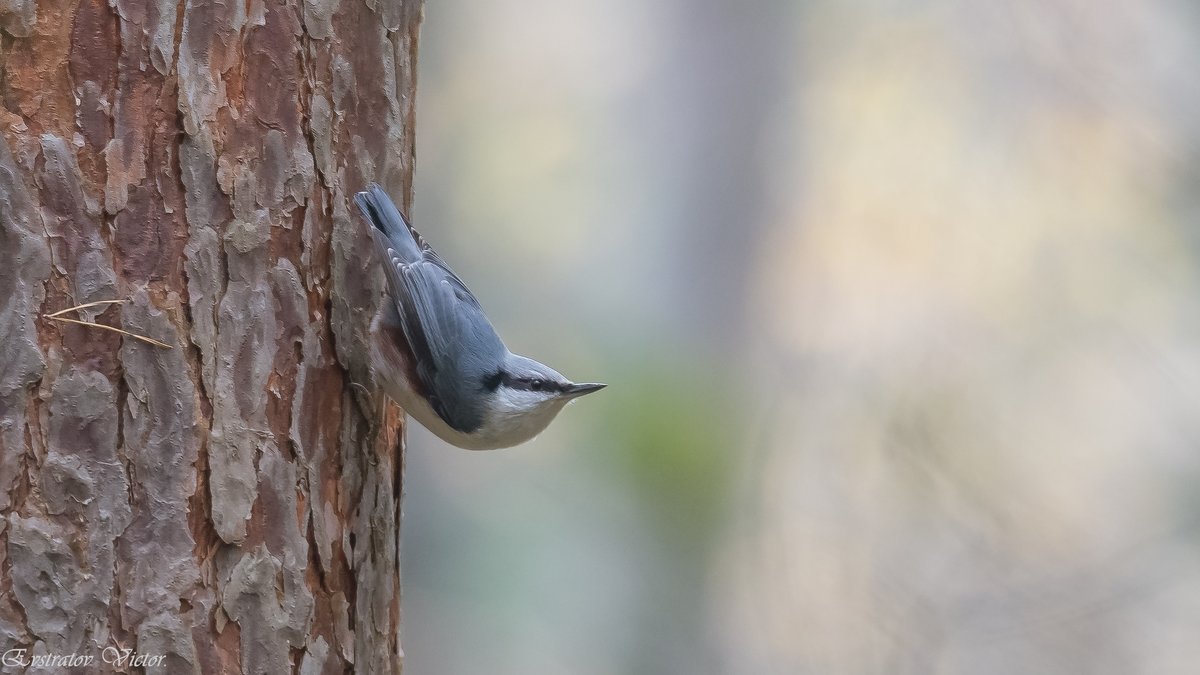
[(899, 305)]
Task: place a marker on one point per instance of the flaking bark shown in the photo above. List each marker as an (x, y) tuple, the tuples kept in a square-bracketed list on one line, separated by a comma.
[(222, 503)]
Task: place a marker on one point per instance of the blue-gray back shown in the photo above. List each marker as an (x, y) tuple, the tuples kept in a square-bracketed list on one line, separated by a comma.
[(456, 349)]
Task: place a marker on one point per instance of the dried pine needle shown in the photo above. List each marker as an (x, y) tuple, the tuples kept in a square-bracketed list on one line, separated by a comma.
[(135, 336), (83, 306)]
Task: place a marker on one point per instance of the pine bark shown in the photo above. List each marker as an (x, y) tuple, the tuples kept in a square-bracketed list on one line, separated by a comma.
[(230, 504)]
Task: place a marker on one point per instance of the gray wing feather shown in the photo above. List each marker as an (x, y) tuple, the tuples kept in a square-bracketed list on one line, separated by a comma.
[(452, 340)]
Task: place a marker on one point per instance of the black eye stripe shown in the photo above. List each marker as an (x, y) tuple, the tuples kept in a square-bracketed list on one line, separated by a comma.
[(520, 383), (492, 381)]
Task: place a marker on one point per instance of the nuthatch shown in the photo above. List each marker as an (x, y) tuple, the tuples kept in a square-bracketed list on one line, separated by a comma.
[(436, 354)]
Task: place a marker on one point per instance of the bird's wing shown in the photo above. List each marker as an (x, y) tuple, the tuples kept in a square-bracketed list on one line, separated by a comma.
[(452, 340)]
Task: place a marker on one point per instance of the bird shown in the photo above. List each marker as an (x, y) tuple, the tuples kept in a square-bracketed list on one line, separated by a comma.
[(434, 351)]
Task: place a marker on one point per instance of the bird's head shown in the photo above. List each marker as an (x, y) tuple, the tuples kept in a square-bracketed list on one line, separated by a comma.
[(532, 391)]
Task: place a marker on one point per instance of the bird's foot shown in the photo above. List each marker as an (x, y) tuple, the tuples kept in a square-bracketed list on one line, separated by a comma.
[(371, 408)]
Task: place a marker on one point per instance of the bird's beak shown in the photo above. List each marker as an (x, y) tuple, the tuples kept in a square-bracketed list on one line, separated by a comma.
[(576, 390)]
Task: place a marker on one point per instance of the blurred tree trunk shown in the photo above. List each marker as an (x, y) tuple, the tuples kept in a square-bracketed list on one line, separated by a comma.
[(222, 504)]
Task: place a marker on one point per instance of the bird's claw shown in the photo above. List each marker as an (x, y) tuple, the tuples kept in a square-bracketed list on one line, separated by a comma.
[(370, 411)]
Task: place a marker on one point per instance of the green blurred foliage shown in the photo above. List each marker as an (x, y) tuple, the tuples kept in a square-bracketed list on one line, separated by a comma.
[(676, 428)]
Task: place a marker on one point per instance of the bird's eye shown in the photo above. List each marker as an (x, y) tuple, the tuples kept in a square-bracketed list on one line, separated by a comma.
[(536, 385)]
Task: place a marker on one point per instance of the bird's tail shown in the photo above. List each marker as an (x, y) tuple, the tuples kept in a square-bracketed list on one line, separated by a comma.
[(381, 211)]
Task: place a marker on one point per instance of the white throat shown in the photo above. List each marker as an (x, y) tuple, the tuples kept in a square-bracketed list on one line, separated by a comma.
[(517, 415)]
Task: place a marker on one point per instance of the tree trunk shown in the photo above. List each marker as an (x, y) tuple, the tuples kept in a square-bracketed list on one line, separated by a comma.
[(226, 504)]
